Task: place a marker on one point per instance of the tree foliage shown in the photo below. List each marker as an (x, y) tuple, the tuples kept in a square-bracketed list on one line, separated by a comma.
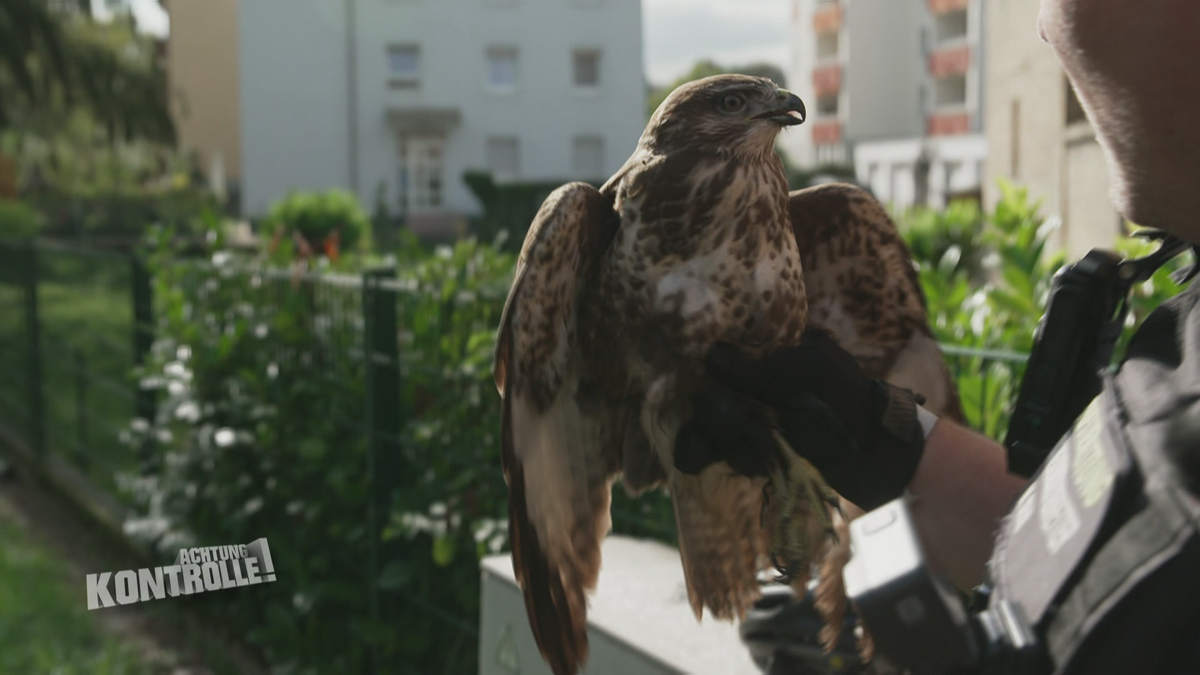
[(53, 63)]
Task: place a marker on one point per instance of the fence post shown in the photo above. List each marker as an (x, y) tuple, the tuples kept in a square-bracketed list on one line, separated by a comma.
[(143, 339), (81, 416), (37, 407), (382, 354)]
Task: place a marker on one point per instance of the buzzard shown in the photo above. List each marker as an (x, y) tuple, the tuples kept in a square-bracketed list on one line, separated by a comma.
[(619, 295)]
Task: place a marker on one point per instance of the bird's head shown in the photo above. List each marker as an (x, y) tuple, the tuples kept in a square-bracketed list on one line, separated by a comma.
[(734, 114)]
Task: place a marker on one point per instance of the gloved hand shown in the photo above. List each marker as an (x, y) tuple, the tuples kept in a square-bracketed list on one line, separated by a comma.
[(861, 434)]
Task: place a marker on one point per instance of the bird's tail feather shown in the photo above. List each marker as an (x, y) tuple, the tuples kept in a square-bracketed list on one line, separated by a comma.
[(555, 529)]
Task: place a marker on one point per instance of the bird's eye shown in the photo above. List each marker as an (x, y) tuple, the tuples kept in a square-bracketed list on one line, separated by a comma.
[(732, 103)]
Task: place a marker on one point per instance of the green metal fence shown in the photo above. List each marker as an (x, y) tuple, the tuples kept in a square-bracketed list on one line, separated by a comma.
[(76, 324), (68, 342)]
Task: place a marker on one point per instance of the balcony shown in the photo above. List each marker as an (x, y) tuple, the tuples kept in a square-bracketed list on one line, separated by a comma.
[(950, 61), (943, 6), (827, 79), (827, 19), (946, 124), (826, 133)]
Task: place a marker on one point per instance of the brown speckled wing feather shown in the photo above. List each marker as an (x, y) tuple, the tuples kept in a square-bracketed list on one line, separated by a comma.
[(863, 287), (559, 460)]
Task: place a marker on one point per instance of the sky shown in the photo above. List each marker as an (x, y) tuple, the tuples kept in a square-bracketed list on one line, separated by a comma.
[(677, 32), (731, 32)]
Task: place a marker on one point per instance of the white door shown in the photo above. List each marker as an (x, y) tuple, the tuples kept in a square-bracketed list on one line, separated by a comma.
[(422, 169)]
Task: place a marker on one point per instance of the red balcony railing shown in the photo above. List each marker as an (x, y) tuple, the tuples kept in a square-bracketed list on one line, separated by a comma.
[(827, 79), (827, 19), (947, 124), (952, 61), (826, 133), (942, 6)]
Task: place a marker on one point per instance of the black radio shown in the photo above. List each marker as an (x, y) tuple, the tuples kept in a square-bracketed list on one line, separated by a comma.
[(1073, 345)]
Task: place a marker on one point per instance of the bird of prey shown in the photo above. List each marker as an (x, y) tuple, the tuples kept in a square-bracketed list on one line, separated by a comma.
[(619, 295)]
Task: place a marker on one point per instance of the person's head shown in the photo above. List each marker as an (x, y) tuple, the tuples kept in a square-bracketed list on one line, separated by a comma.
[(1135, 65)]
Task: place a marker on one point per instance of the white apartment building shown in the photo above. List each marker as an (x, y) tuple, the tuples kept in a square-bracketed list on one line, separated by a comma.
[(404, 96), (898, 91)]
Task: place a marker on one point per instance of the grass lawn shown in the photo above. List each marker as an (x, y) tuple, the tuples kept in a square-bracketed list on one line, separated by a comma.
[(45, 626)]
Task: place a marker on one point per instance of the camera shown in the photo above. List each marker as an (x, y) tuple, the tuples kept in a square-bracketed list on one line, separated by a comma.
[(916, 618)]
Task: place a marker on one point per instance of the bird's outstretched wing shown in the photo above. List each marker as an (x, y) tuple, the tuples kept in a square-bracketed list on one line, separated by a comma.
[(560, 453), (863, 288)]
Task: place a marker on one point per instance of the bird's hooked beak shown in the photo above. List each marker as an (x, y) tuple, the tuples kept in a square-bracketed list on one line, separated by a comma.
[(788, 109)]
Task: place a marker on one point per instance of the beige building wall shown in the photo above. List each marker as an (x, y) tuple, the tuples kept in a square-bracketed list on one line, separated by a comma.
[(202, 71), (1030, 142)]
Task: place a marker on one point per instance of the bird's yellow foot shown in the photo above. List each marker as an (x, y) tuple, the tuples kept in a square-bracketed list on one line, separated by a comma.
[(802, 493)]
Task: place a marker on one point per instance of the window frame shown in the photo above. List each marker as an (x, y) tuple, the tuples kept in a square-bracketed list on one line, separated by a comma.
[(490, 53), (399, 80)]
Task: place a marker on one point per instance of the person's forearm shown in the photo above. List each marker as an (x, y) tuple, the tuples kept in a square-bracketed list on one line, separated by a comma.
[(962, 489)]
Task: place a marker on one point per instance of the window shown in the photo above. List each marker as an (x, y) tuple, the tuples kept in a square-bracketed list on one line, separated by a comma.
[(587, 68), (404, 65), (502, 68), (588, 157), (827, 45), (503, 158), (951, 26), (950, 91), (827, 105)]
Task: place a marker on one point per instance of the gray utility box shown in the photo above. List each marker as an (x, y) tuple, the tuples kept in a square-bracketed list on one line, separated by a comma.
[(639, 620)]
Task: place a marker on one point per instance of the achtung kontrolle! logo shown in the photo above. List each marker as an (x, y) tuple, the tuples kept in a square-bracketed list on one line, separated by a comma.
[(208, 568)]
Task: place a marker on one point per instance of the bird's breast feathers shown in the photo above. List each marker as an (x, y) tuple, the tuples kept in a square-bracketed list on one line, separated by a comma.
[(721, 264)]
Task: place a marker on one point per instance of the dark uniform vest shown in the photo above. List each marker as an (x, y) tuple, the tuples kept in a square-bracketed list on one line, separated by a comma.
[(1102, 550)]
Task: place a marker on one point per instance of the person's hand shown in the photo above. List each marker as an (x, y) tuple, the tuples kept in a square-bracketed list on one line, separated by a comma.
[(861, 434)]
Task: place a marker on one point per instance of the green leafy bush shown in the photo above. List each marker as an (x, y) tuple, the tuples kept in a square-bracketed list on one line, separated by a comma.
[(951, 239), (317, 215), (19, 220), (261, 431)]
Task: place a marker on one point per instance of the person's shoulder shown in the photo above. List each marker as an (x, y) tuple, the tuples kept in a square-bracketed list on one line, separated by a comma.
[(1170, 333)]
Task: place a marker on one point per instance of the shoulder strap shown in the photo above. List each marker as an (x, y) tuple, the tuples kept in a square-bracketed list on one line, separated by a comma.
[(1128, 607)]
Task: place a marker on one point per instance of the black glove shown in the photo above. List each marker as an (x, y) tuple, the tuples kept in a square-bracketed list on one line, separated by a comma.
[(861, 434)]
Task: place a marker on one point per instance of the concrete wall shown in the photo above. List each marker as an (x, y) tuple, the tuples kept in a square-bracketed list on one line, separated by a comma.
[(884, 69), (797, 141), (1029, 141), (293, 98), (1089, 218), (1025, 96), (202, 66)]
